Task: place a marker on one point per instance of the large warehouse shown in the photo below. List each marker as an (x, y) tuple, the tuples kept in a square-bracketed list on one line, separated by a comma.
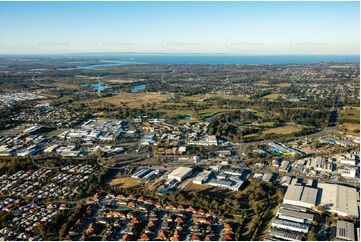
[(180, 173), (339, 199), (301, 196)]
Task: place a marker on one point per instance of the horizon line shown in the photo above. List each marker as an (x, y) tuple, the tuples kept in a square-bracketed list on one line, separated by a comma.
[(177, 53)]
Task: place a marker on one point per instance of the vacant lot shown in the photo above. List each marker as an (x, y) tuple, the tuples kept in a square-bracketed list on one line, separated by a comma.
[(196, 188), (133, 100), (124, 182), (283, 84), (350, 118), (351, 115), (274, 96), (287, 129), (204, 97)]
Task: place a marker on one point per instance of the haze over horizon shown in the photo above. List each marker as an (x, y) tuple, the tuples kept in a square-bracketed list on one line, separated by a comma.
[(241, 28)]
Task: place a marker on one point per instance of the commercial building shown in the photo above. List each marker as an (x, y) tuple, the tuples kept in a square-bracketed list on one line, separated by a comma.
[(301, 196), (180, 173), (286, 235), (202, 177), (345, 231), (295, 216), (285, 166), (289, 225), (349, 173), (348, 161), (339, 199), (141, 173)]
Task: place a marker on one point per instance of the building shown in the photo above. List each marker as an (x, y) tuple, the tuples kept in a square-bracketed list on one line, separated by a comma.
[(289, 225), (286, 180), (339, 199), (281, 149), (301, 196), (345, 231), (202, 177), (286, 235), (285, 166), (349, 173), (347, 161), (180, 173), (321, 164), (295, 216), (269, 177), (141, 173), (211, 140)]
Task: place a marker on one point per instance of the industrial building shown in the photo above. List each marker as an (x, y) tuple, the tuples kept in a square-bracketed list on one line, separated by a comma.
[(202, 177), (289, 225), (339, 199), (301, 196), (286, 235), (295, 216), (345, 230), (180, 173), (285, 166)]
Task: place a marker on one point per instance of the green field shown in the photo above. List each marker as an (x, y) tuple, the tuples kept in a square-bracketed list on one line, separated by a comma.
[(284, 130), (274, 96), (350, 119)]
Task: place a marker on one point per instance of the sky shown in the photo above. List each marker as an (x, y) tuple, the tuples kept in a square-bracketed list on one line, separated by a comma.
[(257, 28)]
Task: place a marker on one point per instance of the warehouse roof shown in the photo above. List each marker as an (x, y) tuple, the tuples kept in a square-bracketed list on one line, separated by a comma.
[(297, 214), (180, 171), (345, 230), (302, 193), (339, 199)]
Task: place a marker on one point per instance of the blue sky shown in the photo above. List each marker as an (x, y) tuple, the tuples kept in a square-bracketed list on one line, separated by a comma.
[(180, 27)]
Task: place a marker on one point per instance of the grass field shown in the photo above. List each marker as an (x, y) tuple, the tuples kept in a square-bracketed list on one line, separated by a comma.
[(350, 119), (265, 124), (133, 100), (196, 188), (274, 96), (67, 85), (283, 84), (54, 132), (203, 113), (262, 83), (124, 182), (351, 115), (204, 97), (287, 129)]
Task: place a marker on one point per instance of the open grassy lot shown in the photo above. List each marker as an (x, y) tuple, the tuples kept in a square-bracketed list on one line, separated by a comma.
[(287, 129), (351, 115), (197, 98), (196, 188), (120, 81), (124, 182), (350, 118), (134, 100), (195, 115), (274, 96), (54, 132), (265, 124), (283, 84), (67, 85), (204, 97), (262, 83)]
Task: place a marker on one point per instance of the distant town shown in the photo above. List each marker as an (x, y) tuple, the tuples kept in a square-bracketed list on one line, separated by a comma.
[(169, 152)]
